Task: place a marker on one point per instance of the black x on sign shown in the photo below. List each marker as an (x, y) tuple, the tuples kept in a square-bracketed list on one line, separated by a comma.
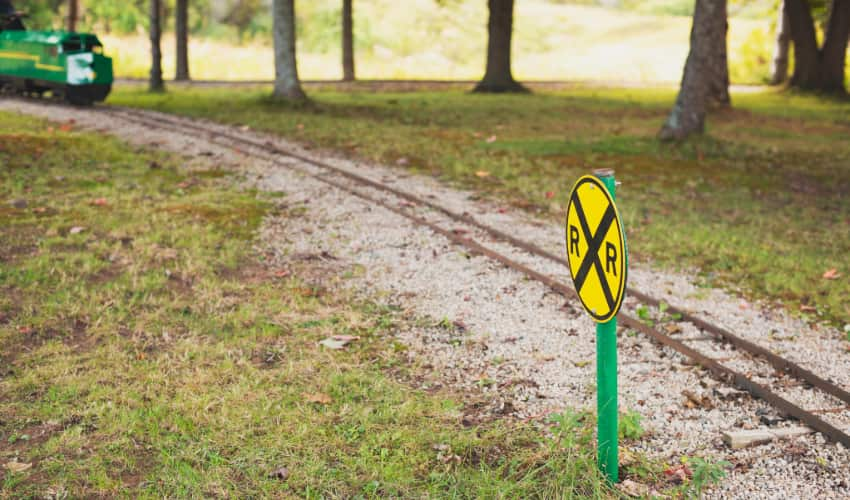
[(596, 248)]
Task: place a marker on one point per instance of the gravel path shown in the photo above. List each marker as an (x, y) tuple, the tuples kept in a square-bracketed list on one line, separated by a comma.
[(534, 353)]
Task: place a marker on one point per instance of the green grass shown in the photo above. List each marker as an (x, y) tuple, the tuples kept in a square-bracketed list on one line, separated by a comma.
[(758, 203), (147, 351)]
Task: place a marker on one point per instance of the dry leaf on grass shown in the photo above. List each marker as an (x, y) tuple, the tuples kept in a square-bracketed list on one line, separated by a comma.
[(318, 397), (77, 230), (17, 466), (338, 341), (831, 274), (482, 173), (281, 473), (99, 202)]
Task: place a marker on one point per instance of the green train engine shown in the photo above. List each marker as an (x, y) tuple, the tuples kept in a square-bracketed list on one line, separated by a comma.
[(70, 66)]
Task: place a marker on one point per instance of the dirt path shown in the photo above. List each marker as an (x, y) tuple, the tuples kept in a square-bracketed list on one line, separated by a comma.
[(532, 352)]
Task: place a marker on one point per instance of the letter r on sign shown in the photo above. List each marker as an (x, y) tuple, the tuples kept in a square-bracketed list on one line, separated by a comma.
[(610, 258), (574, 240)]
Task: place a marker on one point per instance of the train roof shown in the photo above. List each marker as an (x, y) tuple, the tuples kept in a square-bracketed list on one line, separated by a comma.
[(46, 37)]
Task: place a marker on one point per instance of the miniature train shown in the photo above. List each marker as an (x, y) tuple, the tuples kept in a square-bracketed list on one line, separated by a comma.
[(70, 66)]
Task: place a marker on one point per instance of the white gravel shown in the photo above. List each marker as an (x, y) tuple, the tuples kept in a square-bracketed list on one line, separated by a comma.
[(533, 353)]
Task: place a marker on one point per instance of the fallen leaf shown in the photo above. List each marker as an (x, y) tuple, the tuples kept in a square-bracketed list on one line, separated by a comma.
[(695, 400), (673, 328), (283, 273), (76, 230), (550, 194), (402, 161), (66, 127), (633, 488), (26, 330), (831, 274), (482, 173), (281, 473), (338, 341), (805, 308), (491, 139), (17, 466), (318, 397), (678, 474), (99, 202)]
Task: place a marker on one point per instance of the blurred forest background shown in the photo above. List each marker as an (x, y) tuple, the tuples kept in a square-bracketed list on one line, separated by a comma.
[(616, 41)]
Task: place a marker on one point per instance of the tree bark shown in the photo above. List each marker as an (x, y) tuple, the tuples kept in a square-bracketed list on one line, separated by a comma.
[(779, 65), (182, 36), (286, 85), (699, 80), (719, 92), (73, 14), (834, 51), (156, 83), (347, 41), (819, 69), (498, 76)]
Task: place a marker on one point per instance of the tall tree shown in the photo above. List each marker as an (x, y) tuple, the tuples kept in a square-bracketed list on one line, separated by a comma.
[(498, 76), (819, 68), (73, 14), (156, 83), (700, 80), (286, 84), (779, 64), (347, 41), (182, 35), (718, 96)]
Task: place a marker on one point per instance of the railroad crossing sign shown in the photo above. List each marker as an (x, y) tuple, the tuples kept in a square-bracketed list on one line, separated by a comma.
[(596, 248)]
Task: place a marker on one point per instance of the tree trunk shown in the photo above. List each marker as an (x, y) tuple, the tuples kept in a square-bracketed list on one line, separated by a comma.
[(347, 41), (286, 84), (719, 92), (498, 76), (834, 51), (699, 79), (779, 65), (73, 13), (182, 34), (156, 84), (819, 69)]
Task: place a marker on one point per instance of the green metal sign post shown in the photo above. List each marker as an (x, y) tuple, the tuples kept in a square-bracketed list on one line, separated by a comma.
[(606, 383), (598, 261)]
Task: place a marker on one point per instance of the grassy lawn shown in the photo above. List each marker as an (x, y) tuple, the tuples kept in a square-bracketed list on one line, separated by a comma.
[(758, 204), (145, 350)]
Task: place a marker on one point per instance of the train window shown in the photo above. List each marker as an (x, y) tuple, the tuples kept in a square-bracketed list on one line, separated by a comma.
[(72, 46)]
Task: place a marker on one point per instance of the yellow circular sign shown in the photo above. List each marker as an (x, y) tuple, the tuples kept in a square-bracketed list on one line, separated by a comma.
[(596, 248)]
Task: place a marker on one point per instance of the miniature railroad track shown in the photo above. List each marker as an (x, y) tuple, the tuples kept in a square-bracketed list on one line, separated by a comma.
[(226, 137)]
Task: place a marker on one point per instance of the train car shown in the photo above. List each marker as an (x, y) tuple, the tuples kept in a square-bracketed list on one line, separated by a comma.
[(70, 66)]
